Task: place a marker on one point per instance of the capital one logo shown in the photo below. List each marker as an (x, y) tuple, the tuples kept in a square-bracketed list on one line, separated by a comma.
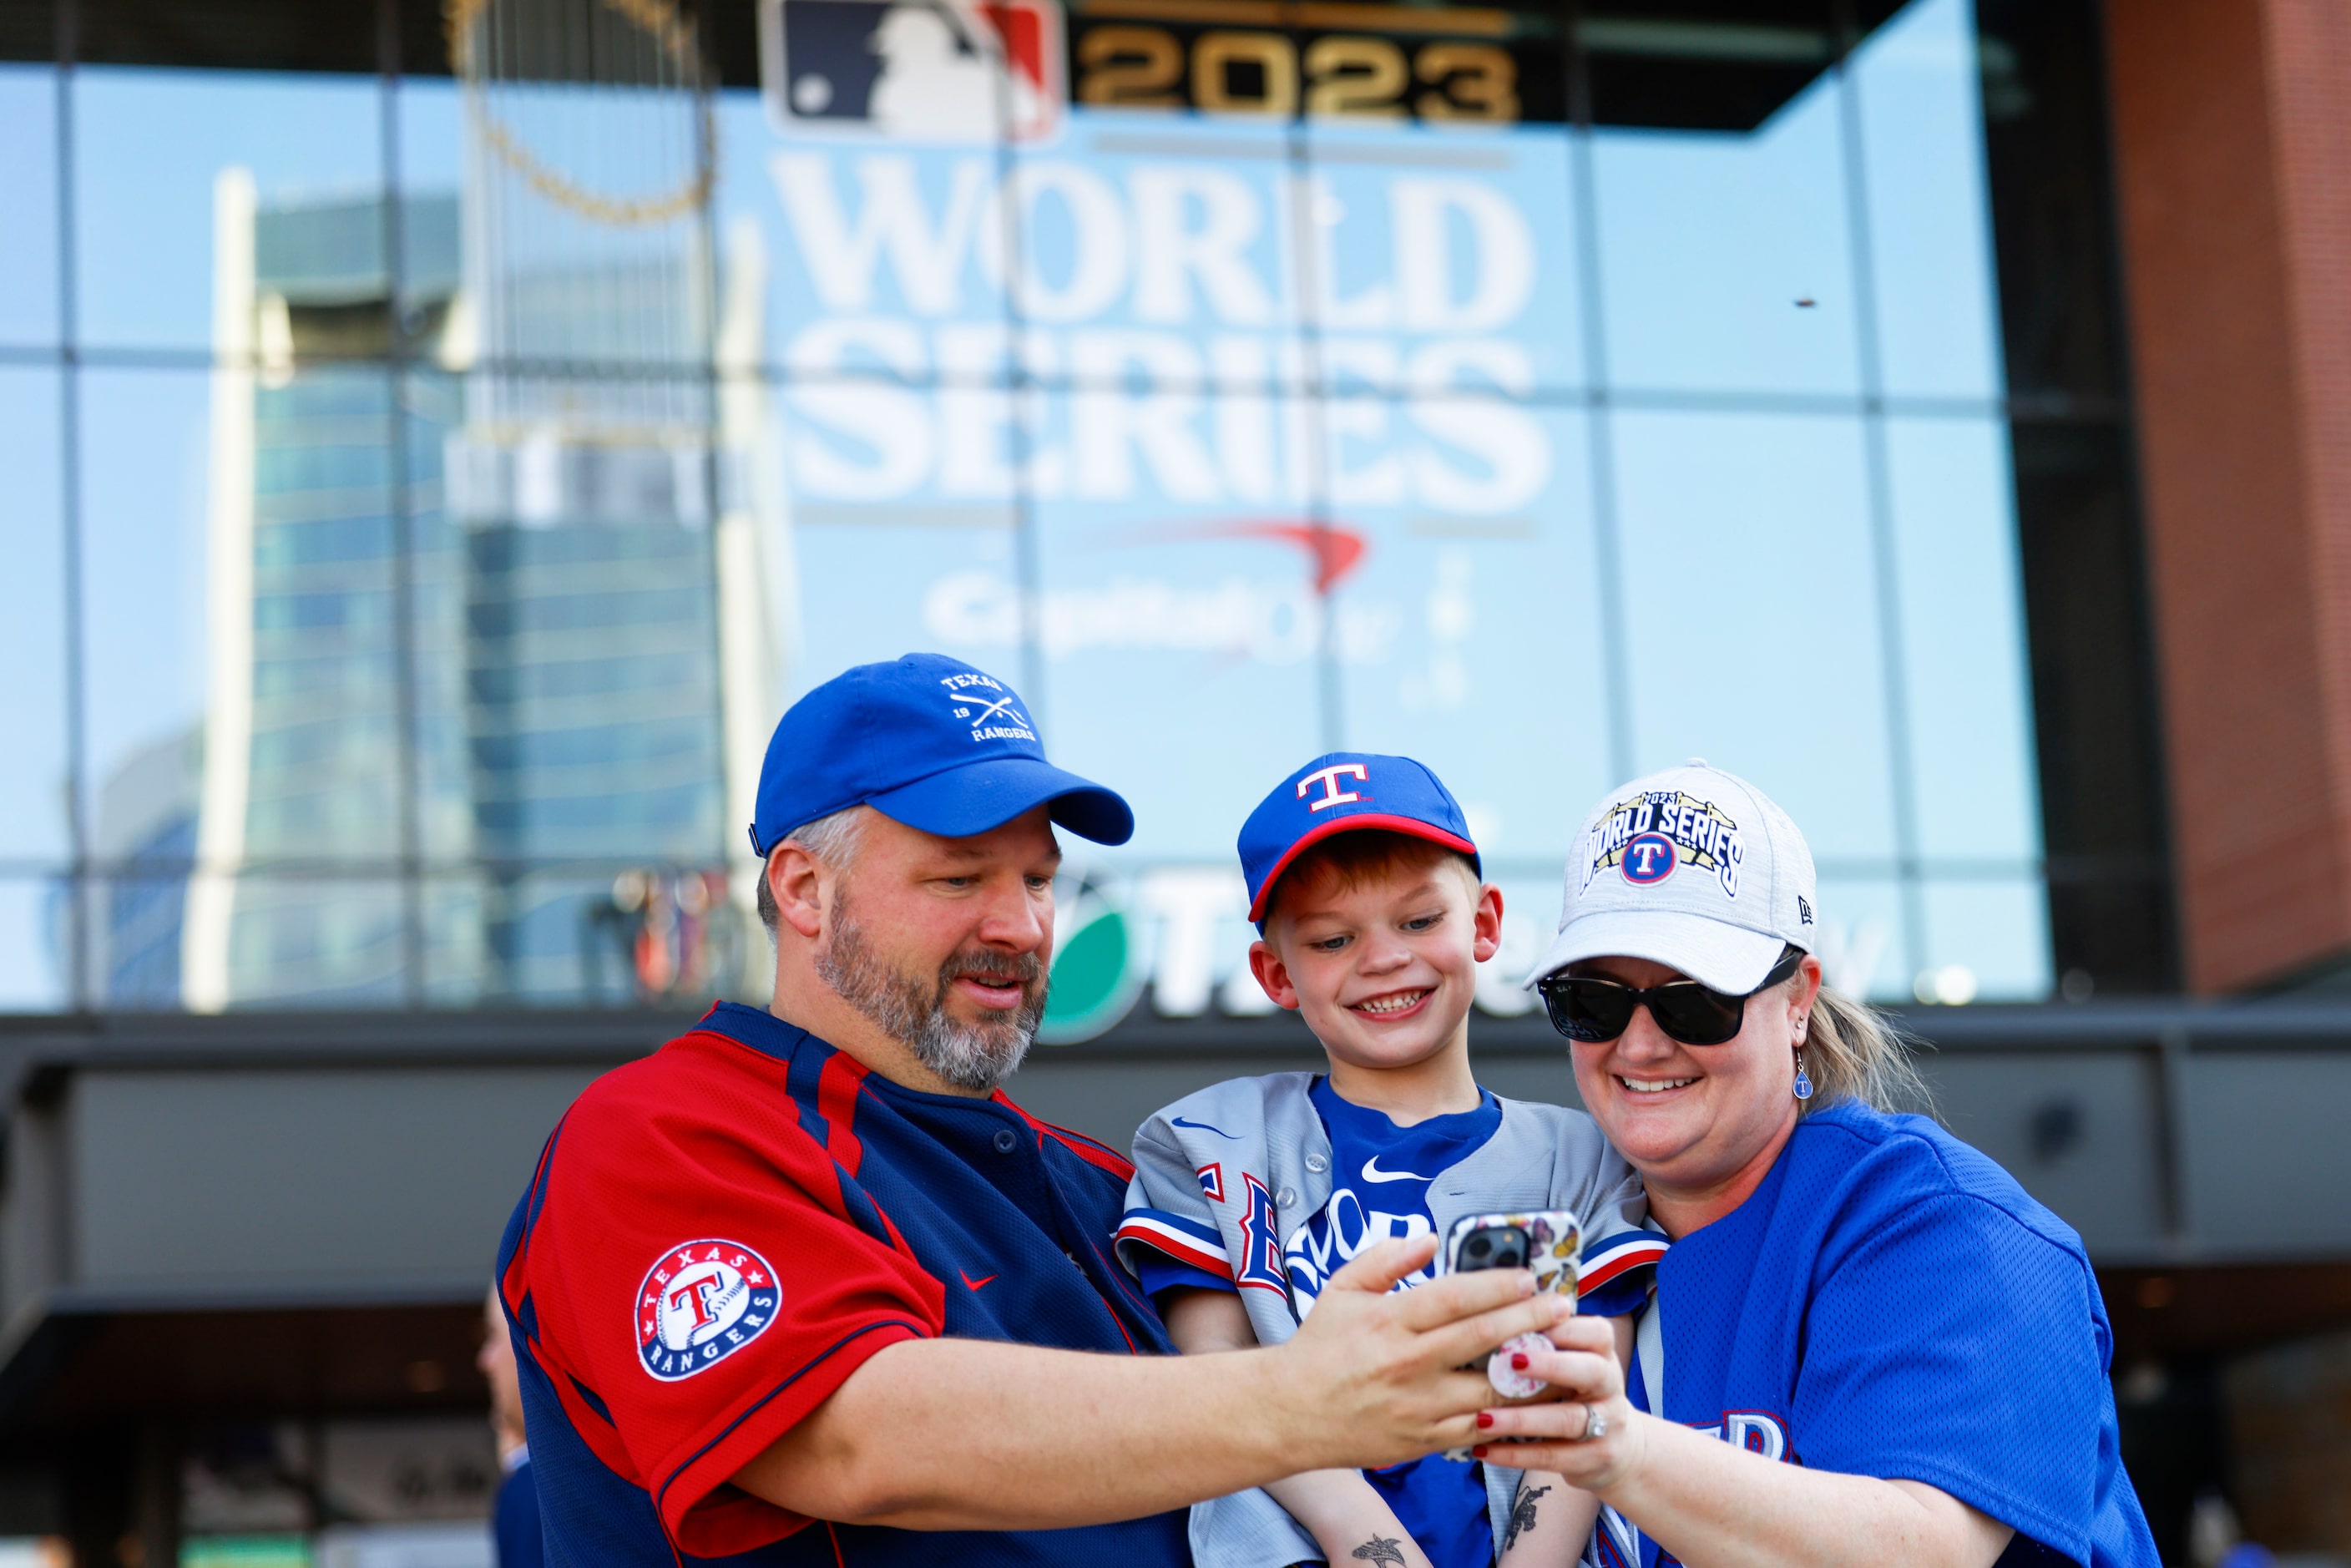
[(1328, 778), (970, 72)]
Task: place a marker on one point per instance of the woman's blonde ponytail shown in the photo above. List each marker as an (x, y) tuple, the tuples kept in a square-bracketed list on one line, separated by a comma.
[(1853, 1052)]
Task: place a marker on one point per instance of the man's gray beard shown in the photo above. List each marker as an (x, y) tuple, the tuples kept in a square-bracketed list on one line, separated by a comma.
[(976, 1057)]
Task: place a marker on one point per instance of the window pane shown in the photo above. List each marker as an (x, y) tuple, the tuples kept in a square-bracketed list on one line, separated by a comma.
[(1752, 614), (310, 942), (253, 598), (1985, 941), (1963, 631), (167, 163), (34, 790), (137, 929), (1457, 242), (1474, 647), (28, 194), (1182, 633), (1865, 949), (1724, 253), (147, 456), (1921, 101), (34, 918)]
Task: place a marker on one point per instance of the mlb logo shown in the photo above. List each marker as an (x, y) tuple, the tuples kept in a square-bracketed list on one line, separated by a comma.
[(918, 71)]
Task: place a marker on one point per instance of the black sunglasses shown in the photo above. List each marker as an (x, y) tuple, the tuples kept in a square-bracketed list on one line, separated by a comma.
[(1590, 1008)]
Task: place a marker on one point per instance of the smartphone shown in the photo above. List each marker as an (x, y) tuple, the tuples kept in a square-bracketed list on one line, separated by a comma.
[(1548, 1242)]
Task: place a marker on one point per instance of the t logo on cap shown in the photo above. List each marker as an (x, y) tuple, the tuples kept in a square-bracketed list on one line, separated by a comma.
[(1329, 778)]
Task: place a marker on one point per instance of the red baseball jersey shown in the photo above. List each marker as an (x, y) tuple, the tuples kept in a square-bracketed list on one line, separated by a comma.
[(717, 1236)]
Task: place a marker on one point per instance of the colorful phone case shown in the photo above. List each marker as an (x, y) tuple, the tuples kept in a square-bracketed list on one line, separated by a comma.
[(1554, 1246)]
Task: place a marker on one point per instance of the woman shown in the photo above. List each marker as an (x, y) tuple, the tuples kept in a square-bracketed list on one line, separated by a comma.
[(1853, 1293)]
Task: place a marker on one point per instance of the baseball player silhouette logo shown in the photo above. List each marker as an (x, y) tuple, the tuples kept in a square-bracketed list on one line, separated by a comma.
[(701, 1302), (922, 71)]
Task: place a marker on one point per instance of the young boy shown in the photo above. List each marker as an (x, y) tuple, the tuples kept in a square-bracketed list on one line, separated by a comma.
[(1247, 1196)]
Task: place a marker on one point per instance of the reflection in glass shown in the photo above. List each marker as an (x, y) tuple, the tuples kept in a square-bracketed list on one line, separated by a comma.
[(1921, 115), (1752, 614), (301, 942), (28, 195), (35, 918), (34, 786), (147, 658), (1864, 944), (1478, 574), (157, 154), (1182, 627), (1963, 639), (1724, 256), (1461, 245), (1985, 941)]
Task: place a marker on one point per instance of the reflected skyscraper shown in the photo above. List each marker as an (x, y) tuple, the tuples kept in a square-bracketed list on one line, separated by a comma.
[(498, 622)]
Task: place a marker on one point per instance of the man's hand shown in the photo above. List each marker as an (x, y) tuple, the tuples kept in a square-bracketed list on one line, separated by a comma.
[(955, 1434), (1374, 1376)]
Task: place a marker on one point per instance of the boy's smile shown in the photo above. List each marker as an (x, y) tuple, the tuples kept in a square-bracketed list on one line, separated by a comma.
[(1383, 965)]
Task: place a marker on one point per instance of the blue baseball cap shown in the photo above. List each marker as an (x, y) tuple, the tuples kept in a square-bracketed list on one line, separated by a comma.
[(928, 741), (1337, 792)]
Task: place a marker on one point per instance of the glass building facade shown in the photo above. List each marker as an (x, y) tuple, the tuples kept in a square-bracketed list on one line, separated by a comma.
[(431, 470)]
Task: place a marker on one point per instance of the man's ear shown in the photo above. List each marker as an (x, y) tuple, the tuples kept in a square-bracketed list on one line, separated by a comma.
[(798, 884), (1272, 975), (1487, 923)]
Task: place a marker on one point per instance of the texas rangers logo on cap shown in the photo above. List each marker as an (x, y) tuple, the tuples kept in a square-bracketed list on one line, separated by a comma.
[(701, 1302), (1338, 792)]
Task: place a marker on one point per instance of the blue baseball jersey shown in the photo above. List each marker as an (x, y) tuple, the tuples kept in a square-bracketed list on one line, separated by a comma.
[(1889, 1302), (717, 1236)]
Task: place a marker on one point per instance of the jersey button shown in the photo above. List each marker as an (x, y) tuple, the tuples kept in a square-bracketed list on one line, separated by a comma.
[(1317, 1164), (1286, 1198), (1007, 1140)]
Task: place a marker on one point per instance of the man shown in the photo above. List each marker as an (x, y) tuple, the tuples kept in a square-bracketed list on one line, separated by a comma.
[(513, 1518), (872, 1317)]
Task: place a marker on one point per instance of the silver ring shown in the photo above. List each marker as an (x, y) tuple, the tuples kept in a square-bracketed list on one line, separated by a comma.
[(1595, 1425)]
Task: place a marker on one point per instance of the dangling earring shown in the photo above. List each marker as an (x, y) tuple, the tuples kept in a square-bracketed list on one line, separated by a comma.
[(1804, 1082)]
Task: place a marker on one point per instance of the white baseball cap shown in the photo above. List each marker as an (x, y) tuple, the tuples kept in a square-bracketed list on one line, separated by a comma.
[(1693, 868)]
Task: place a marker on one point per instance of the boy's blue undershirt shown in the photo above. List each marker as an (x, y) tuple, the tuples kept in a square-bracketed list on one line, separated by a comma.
[(1380, 1174)]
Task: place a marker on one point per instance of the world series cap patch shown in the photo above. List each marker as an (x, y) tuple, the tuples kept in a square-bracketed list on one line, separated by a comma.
[(700, 1303), (1650, 835)]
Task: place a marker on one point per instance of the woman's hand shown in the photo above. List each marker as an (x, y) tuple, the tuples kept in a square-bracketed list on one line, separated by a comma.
[(1588, 1390), (1709, 1504)]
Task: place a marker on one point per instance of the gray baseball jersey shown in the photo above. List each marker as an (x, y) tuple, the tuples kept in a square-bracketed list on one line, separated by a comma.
[(1225, 1178)]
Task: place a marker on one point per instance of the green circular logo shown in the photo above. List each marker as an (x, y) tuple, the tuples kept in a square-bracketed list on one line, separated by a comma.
[(1095, 978)]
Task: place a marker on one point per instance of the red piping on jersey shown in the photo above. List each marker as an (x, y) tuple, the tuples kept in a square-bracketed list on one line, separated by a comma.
[(1096, 1155), (840, 1561), (1624, 1263), (836, 1101)]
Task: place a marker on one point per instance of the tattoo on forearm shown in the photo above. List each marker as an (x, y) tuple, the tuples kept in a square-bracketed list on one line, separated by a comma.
[(1380, 1550), (1522, 1515)]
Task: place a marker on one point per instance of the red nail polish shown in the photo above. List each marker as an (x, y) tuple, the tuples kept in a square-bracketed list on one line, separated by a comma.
[(1519, 1360), (1479, 1452), (1485, 1418)]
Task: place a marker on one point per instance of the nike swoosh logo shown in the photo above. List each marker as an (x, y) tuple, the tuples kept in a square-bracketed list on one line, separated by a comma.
[(1202, 1127), (1372, 1172), (974, 1284)]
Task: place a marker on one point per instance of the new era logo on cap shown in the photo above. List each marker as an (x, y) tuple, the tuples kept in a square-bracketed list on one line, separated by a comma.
[(1691, 867), (1338, 792)]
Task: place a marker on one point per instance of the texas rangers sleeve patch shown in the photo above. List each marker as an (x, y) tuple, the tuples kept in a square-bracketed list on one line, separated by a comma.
[(700, 1303)]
